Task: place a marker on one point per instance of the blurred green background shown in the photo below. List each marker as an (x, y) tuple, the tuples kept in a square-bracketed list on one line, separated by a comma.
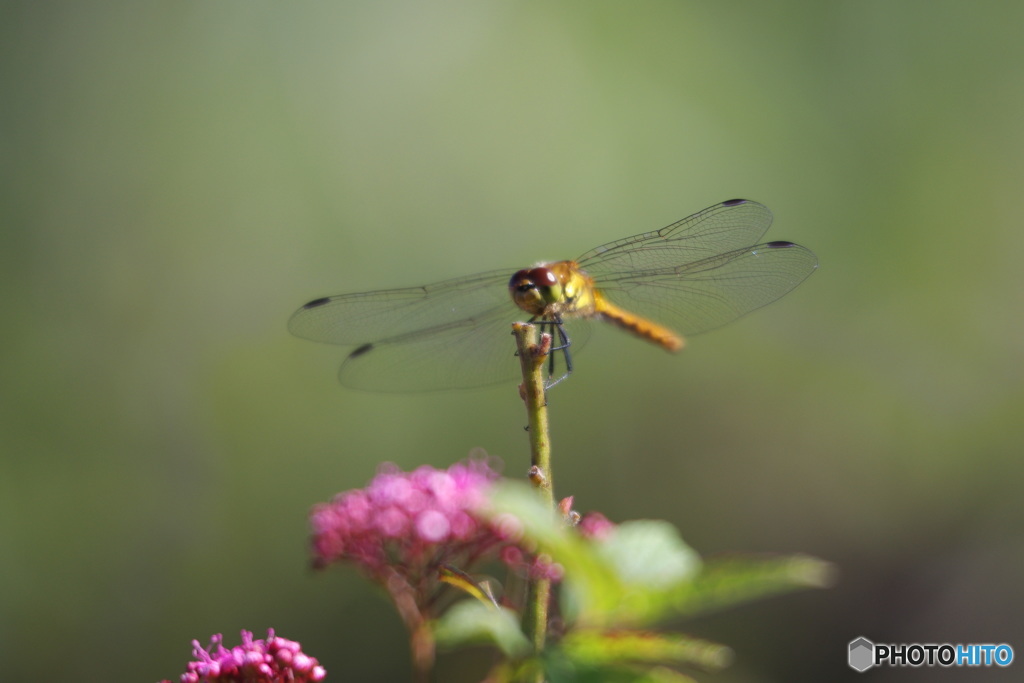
[(178, 177)]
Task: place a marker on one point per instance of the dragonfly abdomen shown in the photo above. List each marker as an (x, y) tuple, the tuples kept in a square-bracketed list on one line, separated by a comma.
[(638, 326)]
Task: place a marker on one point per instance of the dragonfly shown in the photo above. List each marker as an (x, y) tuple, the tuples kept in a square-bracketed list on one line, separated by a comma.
[(692, 276)]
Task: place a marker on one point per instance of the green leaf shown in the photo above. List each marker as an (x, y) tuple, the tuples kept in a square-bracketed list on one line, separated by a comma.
[(536, 519), (593, 647), (464, 582), (646, 559), (730, 580), (474, 622), (621, 579), (560, 669), (663, 675), (649, 553)]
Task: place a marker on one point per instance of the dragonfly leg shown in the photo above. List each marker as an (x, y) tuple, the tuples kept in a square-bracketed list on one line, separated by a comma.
[(564, 348), (562, 345), (551, 361)]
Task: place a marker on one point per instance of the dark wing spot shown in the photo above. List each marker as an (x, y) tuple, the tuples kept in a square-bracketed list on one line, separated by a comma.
[(361, 350), (734, 202), (781, 244), (317, 302)]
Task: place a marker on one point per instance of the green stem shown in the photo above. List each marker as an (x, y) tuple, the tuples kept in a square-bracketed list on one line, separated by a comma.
[(532, 354), (421, 637)]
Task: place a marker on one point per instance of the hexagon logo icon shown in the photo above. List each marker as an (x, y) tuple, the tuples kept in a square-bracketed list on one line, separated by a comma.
[(862, 654)]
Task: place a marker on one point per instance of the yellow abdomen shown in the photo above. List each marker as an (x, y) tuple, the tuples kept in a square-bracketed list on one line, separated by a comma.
[(634, 324)]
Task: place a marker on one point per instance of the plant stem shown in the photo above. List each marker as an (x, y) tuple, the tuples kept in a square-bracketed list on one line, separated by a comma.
[(421, 638), (532, 355)]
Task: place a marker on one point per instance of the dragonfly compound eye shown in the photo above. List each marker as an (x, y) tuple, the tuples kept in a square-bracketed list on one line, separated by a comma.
[(532, 290), (548, 286), (542, 277), (520, 282)]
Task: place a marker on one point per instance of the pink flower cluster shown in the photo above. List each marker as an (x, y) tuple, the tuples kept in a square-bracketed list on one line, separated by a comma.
[(411, 523), (275, 660)]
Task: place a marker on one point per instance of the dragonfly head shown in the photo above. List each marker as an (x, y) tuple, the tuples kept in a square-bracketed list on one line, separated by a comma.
[(534, 289)]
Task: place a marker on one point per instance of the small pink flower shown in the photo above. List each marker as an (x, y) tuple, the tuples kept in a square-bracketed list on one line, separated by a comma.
[(432, 526), (595, 526), (392, 522), (275, 660), (511, 555)]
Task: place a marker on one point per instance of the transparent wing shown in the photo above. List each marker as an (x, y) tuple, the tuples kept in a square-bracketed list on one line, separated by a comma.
[(452, 334), (719, 229), (371, 316), (458, 355), (697, 296)]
